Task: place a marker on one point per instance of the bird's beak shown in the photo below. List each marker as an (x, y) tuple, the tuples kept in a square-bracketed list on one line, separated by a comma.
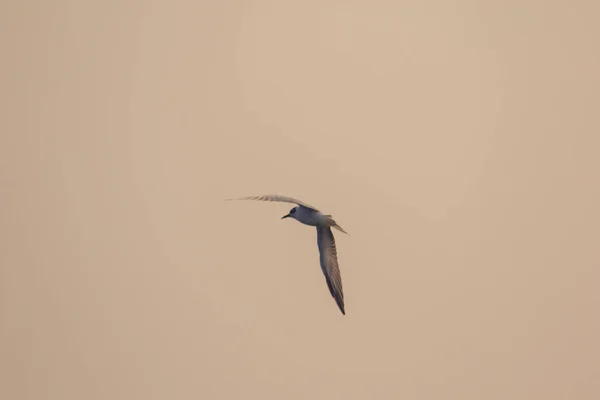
[(285, 216)]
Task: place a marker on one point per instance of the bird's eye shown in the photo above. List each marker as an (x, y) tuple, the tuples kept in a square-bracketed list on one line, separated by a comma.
[(293, 211)]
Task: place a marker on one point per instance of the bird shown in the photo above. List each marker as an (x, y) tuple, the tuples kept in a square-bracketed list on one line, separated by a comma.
[(309, 215)]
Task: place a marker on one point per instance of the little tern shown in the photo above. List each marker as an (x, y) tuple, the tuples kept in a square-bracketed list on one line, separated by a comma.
[(309, 215)]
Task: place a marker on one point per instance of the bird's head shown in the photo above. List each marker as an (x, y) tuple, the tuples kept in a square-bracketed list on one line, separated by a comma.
[(291, 214)]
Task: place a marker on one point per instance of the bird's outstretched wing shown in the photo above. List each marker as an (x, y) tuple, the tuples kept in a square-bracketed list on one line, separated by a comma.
[(278, 198), (329, 265)]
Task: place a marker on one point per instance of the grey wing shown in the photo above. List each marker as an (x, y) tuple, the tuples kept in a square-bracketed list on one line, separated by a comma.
[(329, 265), (277, 198)]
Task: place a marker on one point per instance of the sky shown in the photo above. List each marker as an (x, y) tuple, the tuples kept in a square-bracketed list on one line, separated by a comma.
[(456, 142)]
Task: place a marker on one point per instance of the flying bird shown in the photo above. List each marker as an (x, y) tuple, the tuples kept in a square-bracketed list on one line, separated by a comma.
[(309, 215)]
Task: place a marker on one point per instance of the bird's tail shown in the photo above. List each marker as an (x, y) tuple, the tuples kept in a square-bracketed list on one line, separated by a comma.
[(331, 222)]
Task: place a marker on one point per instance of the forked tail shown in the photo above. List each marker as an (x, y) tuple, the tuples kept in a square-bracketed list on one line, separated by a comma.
[(331, 222)]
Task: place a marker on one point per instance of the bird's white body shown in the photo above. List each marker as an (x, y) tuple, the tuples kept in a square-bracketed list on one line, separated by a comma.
[(312, 217), (309, 217)]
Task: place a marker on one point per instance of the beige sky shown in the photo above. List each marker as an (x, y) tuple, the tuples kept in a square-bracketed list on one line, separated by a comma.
[(457, 142)]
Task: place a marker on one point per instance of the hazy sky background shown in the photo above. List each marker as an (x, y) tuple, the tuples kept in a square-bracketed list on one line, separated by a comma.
[(457, 142)]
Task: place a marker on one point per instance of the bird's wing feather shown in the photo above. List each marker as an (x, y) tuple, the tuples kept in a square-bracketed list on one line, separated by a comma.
[(277, 198), (329, 265)]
